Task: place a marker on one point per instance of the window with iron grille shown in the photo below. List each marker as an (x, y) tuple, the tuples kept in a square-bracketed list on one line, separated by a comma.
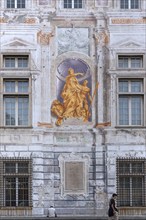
[(129, 4), (16, 184), (15, 61), (130, 62), (15, 3), (130, 102), (16, 99), (131, 182), (73, 3)]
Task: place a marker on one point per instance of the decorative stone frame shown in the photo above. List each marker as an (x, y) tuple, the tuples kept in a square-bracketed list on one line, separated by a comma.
[(76, 163)]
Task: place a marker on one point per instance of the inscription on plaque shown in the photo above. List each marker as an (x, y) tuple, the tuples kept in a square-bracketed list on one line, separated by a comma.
[(74, 176)]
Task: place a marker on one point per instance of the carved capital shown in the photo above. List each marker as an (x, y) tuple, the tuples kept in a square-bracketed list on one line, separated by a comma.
[(44, 38), (101, 38), (3, 20)]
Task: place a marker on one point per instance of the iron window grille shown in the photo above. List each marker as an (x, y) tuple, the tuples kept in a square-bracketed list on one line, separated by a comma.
[(16, 182), (131, 182)]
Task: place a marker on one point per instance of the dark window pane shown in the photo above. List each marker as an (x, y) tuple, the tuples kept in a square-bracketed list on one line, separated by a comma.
[(10, 62), (137, 167), (77, 3), (10, 3), (23, 104), (9, 86), (23, 62), (23, 86), (9, 111), (20, 3), (124, 4), (137, 191), (123, 86), (67, 3), (124, 192), (123, 110), (23, 191), (134, 4), (22, 167), (10, 167), (10, 191), (124, 167)]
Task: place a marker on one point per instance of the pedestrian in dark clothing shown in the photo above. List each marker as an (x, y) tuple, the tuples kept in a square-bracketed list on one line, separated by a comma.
[(113, 211)]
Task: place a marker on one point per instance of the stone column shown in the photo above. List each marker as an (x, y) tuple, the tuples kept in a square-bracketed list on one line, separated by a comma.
[(44, 36), (101, 38)]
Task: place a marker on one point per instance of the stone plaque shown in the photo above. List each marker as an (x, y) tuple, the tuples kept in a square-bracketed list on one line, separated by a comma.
[(43, 2), (74, 170), (74, 176)]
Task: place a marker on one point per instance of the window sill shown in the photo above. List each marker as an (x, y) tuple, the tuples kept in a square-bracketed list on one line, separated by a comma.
[(16, 208), (130, 127), (16, 127)]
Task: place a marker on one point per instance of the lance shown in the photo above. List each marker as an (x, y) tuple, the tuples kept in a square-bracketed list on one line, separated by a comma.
[(94, 93)]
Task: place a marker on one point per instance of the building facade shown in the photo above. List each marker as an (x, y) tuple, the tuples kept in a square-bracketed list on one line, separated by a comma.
[(72, 106)]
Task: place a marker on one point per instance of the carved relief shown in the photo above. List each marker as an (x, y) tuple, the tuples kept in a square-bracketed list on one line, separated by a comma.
[(44, 38), (73, 39), (74, 174)]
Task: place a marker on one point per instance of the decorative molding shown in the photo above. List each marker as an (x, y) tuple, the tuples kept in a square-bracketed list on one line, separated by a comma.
[(30, 21), (17, 42), (128, 21), (44, 124), (74, 169)]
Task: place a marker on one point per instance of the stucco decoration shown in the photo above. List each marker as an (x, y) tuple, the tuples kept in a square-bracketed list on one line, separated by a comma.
[(73, 39), (101, 38), (43, 37), (74, 170), (74, 91)]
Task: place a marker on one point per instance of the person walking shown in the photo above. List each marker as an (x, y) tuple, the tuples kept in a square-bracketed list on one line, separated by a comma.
[(52, 212), (113, 211)]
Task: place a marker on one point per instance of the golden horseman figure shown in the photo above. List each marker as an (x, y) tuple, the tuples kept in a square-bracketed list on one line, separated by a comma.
[(75, 99)]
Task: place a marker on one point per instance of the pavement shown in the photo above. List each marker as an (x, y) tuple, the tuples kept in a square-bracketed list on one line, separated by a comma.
[(72, 218)]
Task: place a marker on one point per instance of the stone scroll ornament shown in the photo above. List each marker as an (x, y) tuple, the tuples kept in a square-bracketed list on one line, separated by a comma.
[(76, 97)]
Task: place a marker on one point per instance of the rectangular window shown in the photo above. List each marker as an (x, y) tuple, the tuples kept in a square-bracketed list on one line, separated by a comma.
[(131, 99), (15, 61), (131, 182), (17, 175), (129, 4), (15, 3), (73, 3), (130, 62), (16, 102)]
